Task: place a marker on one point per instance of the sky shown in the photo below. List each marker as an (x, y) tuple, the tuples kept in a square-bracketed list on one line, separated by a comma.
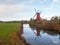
[(24, 9)]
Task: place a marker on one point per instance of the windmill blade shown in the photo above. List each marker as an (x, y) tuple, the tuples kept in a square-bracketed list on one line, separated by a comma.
[(35, 9), (40, 12), (34, 15)]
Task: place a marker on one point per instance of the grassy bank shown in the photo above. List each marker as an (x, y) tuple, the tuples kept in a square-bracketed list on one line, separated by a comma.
[(6, 29)]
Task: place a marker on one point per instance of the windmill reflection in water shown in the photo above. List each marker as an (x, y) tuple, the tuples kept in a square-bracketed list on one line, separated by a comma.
[(36, 31)]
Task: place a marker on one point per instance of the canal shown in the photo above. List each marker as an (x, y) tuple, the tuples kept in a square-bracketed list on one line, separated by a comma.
[(35, 36)]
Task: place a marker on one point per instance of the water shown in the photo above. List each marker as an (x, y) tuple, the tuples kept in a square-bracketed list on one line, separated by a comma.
[(43, 38)]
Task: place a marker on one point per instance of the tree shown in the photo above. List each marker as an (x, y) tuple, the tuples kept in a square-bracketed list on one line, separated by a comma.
[(56, 18), (59, 20)]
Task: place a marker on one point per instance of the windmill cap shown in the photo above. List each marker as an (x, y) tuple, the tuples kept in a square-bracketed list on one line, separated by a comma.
[(37, 13)]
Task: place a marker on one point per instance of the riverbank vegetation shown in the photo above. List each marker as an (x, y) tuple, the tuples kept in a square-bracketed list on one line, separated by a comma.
[(8, 32), (52, 24)]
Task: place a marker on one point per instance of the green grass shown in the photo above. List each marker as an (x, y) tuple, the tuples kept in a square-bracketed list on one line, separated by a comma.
[(5, 33), (7, 28)]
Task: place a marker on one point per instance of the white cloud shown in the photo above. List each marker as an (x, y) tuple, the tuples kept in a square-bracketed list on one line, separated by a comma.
[(55, 1), (30, 1), (3, 8), (7, 6), (42, 1), (7, 2), (16, 1), (14, 8), (54, 4), (8, 12)]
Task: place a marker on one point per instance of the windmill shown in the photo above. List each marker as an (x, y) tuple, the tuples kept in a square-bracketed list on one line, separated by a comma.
[(37, 12), (37, 15), (38, 21)]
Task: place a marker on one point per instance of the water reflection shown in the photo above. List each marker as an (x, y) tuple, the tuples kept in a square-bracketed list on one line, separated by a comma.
[(36, 36), (38, 32)]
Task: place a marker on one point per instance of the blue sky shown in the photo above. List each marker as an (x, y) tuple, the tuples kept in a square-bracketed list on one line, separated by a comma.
[(24, 9)]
